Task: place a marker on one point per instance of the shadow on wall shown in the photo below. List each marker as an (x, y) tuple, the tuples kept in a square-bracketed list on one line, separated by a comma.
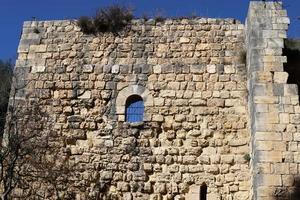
[(292, 193), (292, 52), (296, 192)]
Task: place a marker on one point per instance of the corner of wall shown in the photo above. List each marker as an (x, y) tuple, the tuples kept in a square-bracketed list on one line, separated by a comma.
[(272, 102)]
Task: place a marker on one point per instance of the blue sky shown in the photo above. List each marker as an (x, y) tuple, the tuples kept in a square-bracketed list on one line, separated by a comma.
[(14, 12)]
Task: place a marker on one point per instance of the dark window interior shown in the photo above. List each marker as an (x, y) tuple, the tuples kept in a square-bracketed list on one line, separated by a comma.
[(203, 192)]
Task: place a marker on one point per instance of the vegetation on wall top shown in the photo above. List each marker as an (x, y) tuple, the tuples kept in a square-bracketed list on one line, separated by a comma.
[(115, 18), (110, 19)]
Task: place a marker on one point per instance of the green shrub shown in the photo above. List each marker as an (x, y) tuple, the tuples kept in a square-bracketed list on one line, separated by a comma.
[(110, 19), (247, 157), (86, 24), (159, 18)]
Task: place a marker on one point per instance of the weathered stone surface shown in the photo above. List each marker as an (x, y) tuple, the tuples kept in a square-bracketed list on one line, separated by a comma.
[(201, 109), (272, 127)]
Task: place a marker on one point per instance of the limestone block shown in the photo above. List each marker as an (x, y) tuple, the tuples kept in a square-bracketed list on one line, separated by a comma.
[(180, 118), (184, 40), (293, 168), (167, 93), (273, 66), (173, 85), (157, 118), (98, 54), (238, 142), (283, 20), (159, 188), (87, 68), (204, 159), (294, 118), (162, 48), (280, 26), (288, 180), (270, 145), (290, 90), (271, 118), (280, 77), (281, 168), (268, 136), (284, 118), (106, 175), (227, 159), (215, 102), (276, 43), (85, 95), (127, 196), (157, 69), (38, 69), (211, 69), (269, 156), (213, 169), (115, 69), (266, 100), (68, 110), (296, 137), (269, 180), (229, 69), (194, 193), (189, 160), (264, 191)]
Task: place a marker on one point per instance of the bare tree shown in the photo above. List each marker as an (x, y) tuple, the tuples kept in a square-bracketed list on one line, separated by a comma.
[(27, 152), (20, 140), (5, 84)]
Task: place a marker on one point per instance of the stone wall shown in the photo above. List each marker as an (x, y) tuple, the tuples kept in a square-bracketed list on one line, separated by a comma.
[(201, 125), (274, 104), (192, 78)]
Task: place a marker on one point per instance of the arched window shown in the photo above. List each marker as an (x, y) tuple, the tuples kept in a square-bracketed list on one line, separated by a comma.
[(203, 191), (134, 109)]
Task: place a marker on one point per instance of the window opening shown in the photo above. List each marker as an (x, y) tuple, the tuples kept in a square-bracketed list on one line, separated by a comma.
[(134, 109), (203, 191)]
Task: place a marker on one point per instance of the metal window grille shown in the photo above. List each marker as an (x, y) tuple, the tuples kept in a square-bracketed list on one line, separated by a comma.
[(134, 109)]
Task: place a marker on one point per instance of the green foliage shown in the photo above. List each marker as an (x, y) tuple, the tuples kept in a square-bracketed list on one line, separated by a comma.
[(110, 19), (86, 24), (247, 157), (159, 18), (5, 84)]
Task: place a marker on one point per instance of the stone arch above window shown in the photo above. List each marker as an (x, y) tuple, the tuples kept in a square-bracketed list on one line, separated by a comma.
[(132, 90)]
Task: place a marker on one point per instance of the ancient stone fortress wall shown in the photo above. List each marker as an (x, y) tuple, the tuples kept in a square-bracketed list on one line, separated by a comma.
[(273, 105), (196, 129)]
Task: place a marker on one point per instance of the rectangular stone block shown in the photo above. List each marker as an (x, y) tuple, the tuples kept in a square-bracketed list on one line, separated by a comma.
[(290, 90), (269, 156), (281, 168), (275, 43), (280, 77), (266, 99), (264, 191), (270, 118), (269, 180), (284, 118)]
